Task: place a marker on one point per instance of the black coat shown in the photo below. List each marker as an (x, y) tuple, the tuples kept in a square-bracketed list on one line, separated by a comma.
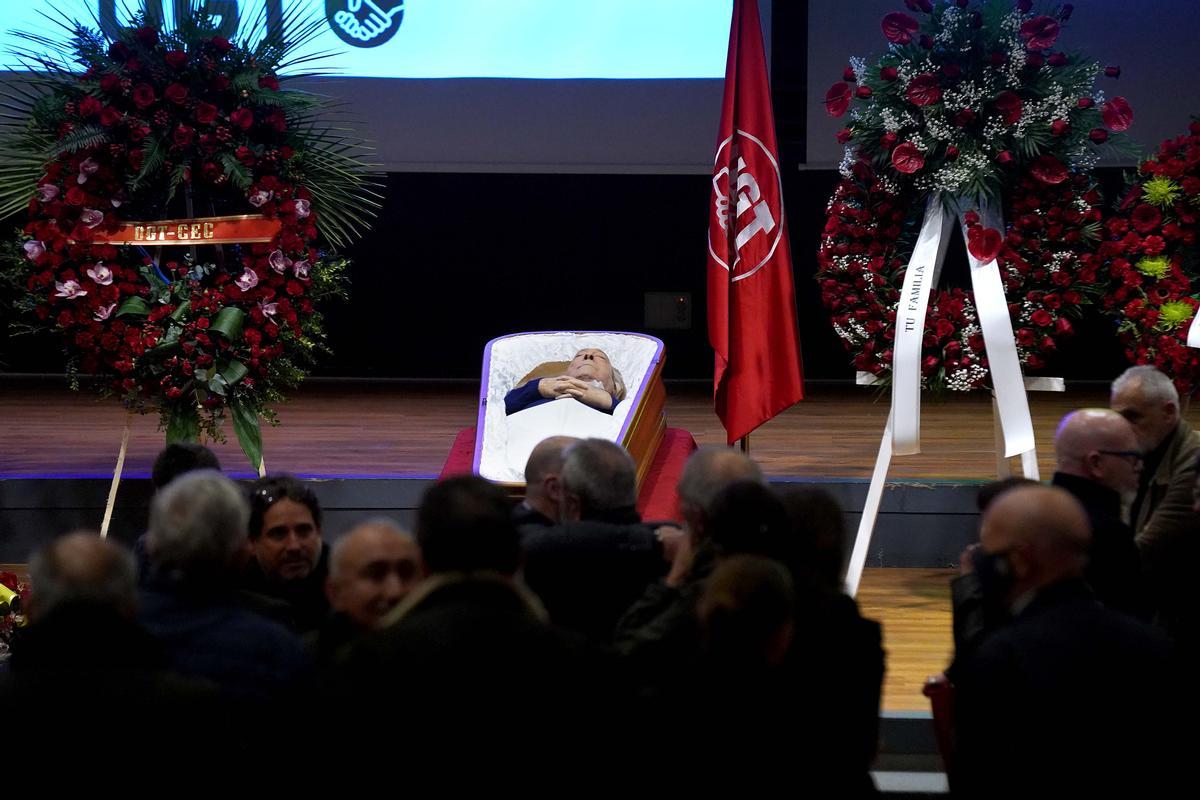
[(1068, 699)]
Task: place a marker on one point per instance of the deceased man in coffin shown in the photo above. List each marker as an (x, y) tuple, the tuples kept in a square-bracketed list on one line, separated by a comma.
[(589, 378)]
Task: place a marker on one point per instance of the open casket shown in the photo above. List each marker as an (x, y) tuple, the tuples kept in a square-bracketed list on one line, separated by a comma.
[(503, 443)]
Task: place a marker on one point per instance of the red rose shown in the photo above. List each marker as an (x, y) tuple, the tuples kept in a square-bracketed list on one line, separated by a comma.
[(183, 136), (944, 328), (906, 158), (1062, 326), (110, 83), (272, 83), (277, 120), (109, 116), (176, 59), (837, 99), (176, 93), (1041, 318), (1009, 105), (147, 36), (984, 243), (888, 73), (219, 83), (1059, 127), (964, 117), (205, 113), (221, 44), (888, 140), (1049, 169), (1039, 33), (89, 106), (1004, 157), (242, 118), (75, 196), (1057, 60), (1117, 114), (951, 153), (143, 95), (863, 91), (1026, 337), (1085, 102), (899, 28), (924, 90), (245, 155), (1098, 135), (1112, 72), (844, 135), (1153, 245)]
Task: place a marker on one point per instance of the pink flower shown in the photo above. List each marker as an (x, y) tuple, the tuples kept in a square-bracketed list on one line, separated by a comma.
[(100, 274), (104, 312), (302, 208), (91, 217), (47, 192), (69, 290), (301, 269), (247, 280), (268, 309), (279, 262), (899, 28), (1117, 113), (1039, 33), (34, 249), (86, 167), (259, 198)]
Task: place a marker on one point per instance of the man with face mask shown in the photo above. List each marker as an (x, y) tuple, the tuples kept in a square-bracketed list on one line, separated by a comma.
[(1069, 698), (1098, 461)]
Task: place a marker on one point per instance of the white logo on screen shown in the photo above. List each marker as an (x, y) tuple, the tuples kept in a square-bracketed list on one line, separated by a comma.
[(376, 23)]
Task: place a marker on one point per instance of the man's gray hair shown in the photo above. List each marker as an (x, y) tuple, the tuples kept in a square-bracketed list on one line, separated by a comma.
[(1154, 384), (601, 474), (197, 524), (83, 568), (709, 471)]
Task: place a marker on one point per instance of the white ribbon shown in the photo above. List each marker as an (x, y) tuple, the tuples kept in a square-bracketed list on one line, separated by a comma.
[(1193, 339)]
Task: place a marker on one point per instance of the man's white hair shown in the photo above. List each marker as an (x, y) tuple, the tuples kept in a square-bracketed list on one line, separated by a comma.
[(1150, 381)]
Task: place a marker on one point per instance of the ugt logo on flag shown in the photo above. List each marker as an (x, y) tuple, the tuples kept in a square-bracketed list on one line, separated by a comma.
[(753, 189)]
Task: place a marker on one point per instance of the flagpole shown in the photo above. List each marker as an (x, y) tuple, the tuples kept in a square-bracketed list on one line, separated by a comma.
[(744, 445)]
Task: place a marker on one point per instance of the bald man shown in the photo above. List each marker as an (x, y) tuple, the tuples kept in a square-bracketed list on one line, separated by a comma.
[(1069, 697), (1098, 461), (543, 490), (371, 569)]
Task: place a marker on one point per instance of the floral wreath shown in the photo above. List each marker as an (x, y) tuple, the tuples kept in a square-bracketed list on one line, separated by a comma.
[(183, 124), (1152, 260), (970, 104)]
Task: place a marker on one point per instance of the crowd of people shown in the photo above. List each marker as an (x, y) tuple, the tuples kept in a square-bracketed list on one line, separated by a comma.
[(568, 631)]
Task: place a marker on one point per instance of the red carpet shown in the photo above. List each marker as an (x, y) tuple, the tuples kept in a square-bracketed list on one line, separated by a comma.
[(657, 500)]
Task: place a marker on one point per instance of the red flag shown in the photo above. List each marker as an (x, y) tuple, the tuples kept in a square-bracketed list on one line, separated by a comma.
[(751, 302)]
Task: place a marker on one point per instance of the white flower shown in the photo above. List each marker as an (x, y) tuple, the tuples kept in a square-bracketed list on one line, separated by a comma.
[(91, 217), (279, 262), (104, 312), (47, 192), (268, 309), (69, 290), (100, 274), (301, 268), (247, 280), (259, 198), (302, 208), (34, 248)]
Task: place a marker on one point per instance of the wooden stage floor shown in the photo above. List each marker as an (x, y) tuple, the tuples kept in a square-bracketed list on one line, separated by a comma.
[(346, 428)]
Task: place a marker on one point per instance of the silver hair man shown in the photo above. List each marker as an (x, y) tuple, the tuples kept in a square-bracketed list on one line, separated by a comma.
[(197, 526)]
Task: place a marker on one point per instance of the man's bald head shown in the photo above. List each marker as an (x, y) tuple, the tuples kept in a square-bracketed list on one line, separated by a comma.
[(1043, 531), (81, 568), (1099, 445), (708, 472), (542, 490), (371, 569)]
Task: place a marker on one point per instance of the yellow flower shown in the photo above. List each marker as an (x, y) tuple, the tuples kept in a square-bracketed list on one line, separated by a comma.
[(1153, 266), (1160, 191), (1172, 314)]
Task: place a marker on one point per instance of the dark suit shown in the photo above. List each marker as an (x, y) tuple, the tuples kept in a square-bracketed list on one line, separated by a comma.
[(1070, 699)]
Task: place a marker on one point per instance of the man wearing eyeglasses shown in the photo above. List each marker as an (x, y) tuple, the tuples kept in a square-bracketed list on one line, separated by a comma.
[(1098, 461)]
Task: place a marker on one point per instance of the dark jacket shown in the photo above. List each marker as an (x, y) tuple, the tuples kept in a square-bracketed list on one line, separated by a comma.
[(1114, 568), (587, 573), (1068, 699)]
